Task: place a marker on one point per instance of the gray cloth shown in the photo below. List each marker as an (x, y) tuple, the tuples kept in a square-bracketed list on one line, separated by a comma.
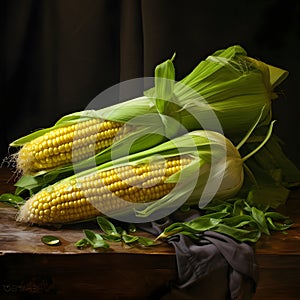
[(214, 267), (213, 252)]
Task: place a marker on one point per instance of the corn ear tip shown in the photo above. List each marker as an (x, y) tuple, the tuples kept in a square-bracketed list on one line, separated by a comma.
[(23, 213)]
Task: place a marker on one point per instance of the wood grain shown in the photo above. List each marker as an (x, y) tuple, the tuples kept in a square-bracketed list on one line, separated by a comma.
[(29, 267)]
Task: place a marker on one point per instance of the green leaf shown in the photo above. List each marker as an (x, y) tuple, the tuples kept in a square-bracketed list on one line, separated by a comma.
[(276, 216), (238, 207), (215, 207), (278, 226), (83, 243), (172, 229), (107, 226), (238, 221), (215, 215), (50, 240), (95, 239), (131, 228), (277, 221), (164, 84), (259, 218), (11, 199), (191, 235), (196, 225), (128, 238), (202, 223), (112, 237), (146, 241), (239, 234)]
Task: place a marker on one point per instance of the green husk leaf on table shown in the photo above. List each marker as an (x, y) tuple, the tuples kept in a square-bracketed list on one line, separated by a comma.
[(111, 233), (147, 242), (240, 220), (82, 243), (106, 226), (50, 240), (241, 235), (277, 226), (259, 218), (95, 240), (129, 239), (12, 199)]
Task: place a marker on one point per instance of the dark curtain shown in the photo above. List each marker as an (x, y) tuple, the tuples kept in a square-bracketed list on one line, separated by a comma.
[(57, 55)]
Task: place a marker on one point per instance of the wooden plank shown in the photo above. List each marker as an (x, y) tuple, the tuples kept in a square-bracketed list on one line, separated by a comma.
[(279, 277), (29, 266), (108, 276)]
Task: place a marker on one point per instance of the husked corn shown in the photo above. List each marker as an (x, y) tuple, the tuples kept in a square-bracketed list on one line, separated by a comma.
[(101, 191)]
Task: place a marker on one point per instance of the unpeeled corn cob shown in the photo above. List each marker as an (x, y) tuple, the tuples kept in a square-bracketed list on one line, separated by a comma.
[(76, 137), (100, 192), (161, 177), (70, 143)]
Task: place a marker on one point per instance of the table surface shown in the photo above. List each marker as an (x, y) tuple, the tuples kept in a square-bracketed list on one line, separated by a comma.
[(15, 237), (278, 254)]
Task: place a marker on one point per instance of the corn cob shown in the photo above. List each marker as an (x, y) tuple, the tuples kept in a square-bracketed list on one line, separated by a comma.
[(101, 191), (71, 143)]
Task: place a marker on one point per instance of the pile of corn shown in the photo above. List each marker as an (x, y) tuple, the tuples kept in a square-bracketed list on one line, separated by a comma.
[(228, 85)]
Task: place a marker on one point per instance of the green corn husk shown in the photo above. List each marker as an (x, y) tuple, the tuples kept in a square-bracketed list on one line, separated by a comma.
[(232, 85), (228, 86)]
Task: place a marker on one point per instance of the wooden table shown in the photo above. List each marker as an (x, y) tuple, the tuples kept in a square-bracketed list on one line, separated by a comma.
[(29, 267)]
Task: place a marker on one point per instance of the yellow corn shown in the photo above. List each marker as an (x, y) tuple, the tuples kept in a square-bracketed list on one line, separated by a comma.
[(67, 144), (103, 191)]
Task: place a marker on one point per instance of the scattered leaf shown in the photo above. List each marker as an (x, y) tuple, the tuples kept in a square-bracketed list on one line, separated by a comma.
[(50, 240)]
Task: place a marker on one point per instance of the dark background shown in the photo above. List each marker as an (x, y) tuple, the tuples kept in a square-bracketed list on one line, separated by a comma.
[(57, 55)]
